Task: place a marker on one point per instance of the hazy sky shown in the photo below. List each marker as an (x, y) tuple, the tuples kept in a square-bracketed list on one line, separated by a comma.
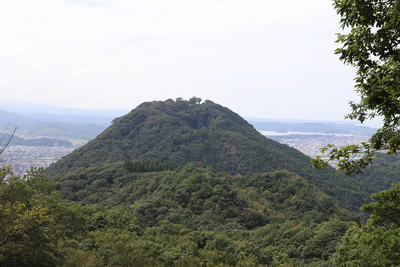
[(260, 58)]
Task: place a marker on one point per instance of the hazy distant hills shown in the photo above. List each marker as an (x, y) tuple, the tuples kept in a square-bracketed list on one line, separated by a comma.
[(17, 141), (185, 131), (312, 127), (54, 122), (7, 118), (61, 130)]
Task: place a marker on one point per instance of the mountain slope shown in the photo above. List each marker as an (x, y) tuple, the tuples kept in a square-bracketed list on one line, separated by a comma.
[(189, 216), (381, 174), (186, 131), (201, 196)]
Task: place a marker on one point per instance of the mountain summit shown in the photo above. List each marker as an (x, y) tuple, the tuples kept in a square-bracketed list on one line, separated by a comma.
[(183, 131)]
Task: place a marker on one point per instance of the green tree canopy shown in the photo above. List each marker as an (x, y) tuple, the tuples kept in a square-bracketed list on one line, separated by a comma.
[(378, 243), (33, 221), (371, 45)]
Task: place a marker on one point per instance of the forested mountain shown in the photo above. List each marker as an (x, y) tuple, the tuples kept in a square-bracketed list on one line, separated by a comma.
[(199, 196), (189, 131), (188, 216), (183, 183), (381, 174)]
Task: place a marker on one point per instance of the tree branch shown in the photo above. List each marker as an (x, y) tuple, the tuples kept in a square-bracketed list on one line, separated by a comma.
[(8, 140)]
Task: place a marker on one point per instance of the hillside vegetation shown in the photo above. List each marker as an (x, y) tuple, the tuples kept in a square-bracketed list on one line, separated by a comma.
[(185, 183), (381, 174), (199, 196), (190, 216), (189, 131)]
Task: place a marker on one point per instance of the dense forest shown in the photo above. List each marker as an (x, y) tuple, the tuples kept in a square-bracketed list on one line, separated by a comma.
[(190, 216), (381, 174), (184, 183), (184, 131)]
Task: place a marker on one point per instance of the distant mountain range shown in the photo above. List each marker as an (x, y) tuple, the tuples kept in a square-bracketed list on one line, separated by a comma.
[(55, 122), (36, 120), (18, 141), (287, 126)]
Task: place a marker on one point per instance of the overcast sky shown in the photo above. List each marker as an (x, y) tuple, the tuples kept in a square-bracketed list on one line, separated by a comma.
[(260, 58)]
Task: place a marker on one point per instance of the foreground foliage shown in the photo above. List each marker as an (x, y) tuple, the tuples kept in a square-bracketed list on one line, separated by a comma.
[(33, 221), (191, 216), (371, 45), (378, 243)]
